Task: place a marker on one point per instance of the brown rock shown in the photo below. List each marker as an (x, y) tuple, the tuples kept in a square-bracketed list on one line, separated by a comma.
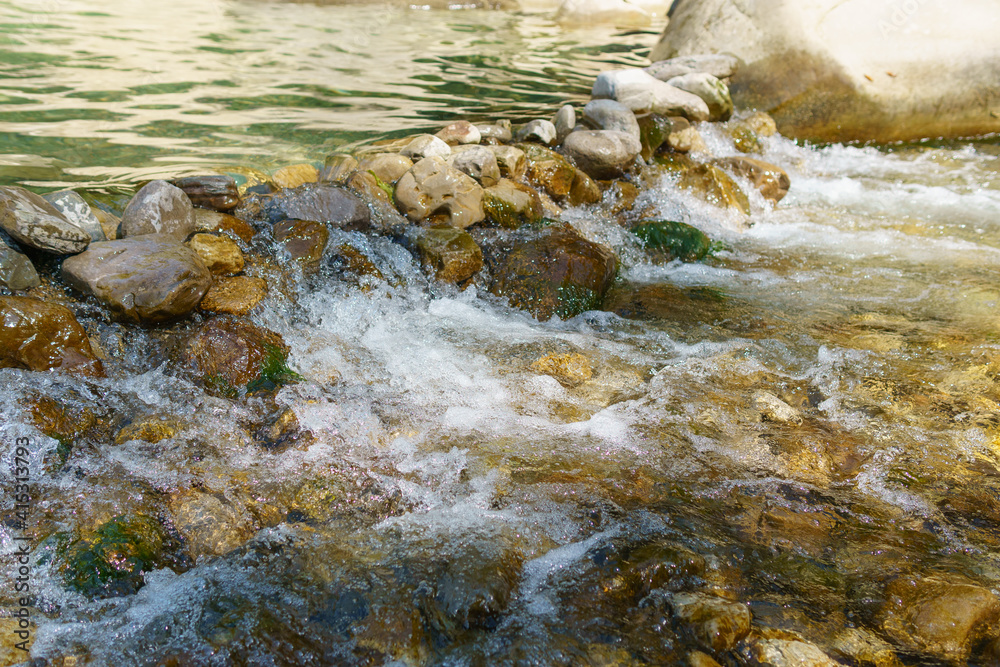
[(549, 170), (150, 278), (553, 271), (216, 192), (714, 623), (770, 179), (304, 240), (584, 190), (715, 186), (16, 270), (42, 336), (512, 162), (451, 253), (220, 253), (209, 525), (216, 222), (152, 429), (232, 356), (295, 175), (34, 222), (510, 204), (384, 213), (337, 168), (237, 295), (939, 617), (569, 369)]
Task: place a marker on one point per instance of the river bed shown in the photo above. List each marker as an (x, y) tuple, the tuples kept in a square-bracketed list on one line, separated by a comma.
[(447, 503)]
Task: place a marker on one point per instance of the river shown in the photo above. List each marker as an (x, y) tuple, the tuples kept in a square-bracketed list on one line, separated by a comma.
[(452, 505)]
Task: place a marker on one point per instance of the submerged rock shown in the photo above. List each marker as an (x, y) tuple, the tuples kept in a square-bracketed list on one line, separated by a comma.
[(326, 203), (714, 623), (16, 270), (644, 93), (34, 222), (237, 295), (43, 336), (76, 209), (114, 559), (553, 271), (669, 240), (337, 168), (653, 133), (784, 653), (570, 370), (710, 89), (434, 192), (148, 278), (941, 618), (232, 357), (216, 222), (451, 254), (770, 179), (159, 208), (304, 240), (209, 525), (216, 192)]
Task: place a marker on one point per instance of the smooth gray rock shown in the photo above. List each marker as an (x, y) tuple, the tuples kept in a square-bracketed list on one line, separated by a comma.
[(327, 203), (718, 65), (498, 131), (34, 222), (479, 162), (564, 120), (16, 270), (426, 145), (539, 131), (159, 208), (611, 115), (641, 92), (710, 89), (602, 154), (434, 191), (75, 209), (147, 278)]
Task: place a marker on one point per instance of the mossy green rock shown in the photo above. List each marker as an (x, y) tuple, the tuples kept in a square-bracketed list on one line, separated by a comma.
[(551, 271), (673, 240), (112, 561), (232, 357), (549, 170), (451, 253), (653, 132), (510, 204)]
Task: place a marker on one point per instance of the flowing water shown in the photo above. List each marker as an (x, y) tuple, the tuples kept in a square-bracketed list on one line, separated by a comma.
[(445, 503)]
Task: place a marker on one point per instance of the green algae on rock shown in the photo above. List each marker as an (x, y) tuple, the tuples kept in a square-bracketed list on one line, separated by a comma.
[(673, 240)]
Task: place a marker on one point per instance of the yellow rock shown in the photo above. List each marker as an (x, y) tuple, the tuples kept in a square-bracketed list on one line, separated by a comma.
[(237, 295), (152, 429), (10, 654), (221, 254), (295, 175), (569, 369)]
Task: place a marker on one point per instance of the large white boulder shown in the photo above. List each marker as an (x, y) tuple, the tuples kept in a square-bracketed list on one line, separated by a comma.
[(840, 70)]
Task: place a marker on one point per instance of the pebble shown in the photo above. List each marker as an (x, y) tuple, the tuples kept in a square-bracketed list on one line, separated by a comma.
[(426, 145), (538, 130), (159, 208)]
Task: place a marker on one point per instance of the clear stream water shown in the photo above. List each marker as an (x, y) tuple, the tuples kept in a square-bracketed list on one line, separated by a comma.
[(454, 506)]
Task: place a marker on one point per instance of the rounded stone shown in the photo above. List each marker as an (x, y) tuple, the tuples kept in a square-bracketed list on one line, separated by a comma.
[(426, 145), (539, 131), (460, 132), (159, 208), (602, 154), (435, 192), (220, 253), (34, 222), (710, 89), (42, 336)]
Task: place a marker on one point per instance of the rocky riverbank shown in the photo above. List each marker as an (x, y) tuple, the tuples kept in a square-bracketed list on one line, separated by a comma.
[(185, 275)]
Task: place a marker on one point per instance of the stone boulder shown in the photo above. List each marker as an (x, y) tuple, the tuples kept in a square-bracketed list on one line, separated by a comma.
[(450, 253), (549, 170), (713, 623), (326, 203), (294, 175), (499, 131), (379, 196), (434, 192), (641, 92), (42, 336), (216, 192), (784, 653), (479, 162), (602, 154), (159, 208), (148, 278), (237, 295), (511, 204), (34, 222), (512, 161), (424, 146), (232, 356), (552, 271), (938, 617), (834, 70)]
